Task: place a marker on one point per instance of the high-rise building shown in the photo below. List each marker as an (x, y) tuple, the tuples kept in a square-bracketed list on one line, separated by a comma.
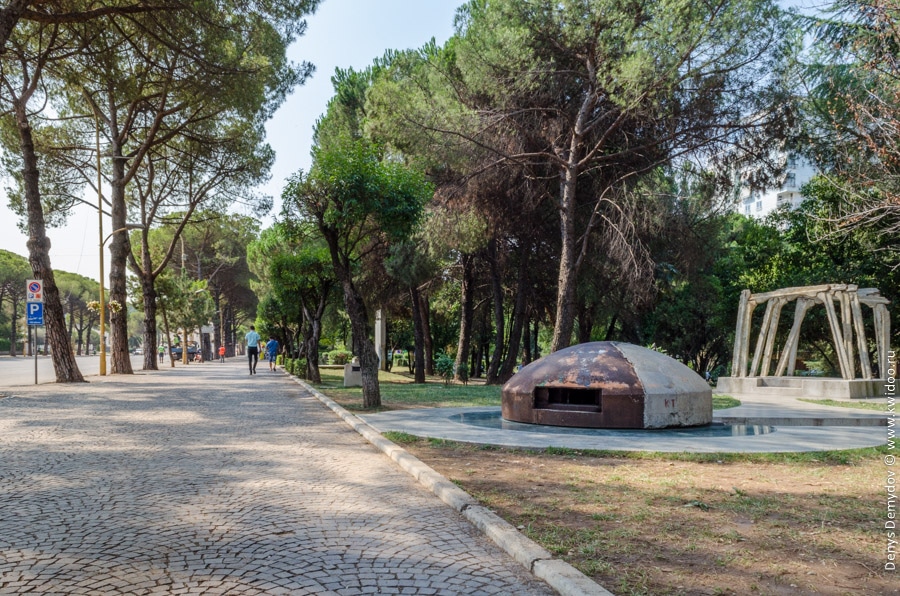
[(759, 203)]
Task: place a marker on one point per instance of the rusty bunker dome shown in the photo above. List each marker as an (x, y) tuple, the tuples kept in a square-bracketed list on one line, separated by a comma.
[(608, 385)]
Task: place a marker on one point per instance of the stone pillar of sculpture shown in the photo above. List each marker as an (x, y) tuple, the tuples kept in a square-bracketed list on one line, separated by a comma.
[(789, 355), (741, 334), (862, 348)]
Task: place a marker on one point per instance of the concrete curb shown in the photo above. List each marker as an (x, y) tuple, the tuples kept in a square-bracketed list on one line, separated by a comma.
[(559, 575)]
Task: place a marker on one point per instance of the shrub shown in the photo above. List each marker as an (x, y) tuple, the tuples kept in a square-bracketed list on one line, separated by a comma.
[(462, 372), (339, 357), (443, 366), (300, 367)]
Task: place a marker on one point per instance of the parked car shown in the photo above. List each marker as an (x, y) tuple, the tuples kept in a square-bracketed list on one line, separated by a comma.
[(138, 352), (177, 351)]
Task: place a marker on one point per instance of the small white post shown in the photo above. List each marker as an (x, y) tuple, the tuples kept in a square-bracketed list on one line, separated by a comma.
[(381, 339)]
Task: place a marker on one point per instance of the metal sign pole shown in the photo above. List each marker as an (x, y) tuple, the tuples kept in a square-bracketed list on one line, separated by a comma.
[(33, 344), (34, 305)]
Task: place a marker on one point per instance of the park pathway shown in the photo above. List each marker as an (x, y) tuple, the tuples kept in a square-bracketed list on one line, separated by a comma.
[(206, 480)]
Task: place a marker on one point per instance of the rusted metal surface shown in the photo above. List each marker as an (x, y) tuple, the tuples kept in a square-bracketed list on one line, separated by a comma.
[(589, 385)]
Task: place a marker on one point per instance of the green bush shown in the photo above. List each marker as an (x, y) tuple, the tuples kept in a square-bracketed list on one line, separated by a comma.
[(300, 367), (463, 372), (443, 366), (279, 360), (339, 357), (295, 366)]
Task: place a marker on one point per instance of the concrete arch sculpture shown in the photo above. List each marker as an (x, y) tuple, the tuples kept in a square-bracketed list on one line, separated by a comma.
[(843, 306)]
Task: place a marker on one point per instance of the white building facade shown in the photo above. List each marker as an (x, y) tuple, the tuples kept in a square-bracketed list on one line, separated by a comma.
[(758, 204)]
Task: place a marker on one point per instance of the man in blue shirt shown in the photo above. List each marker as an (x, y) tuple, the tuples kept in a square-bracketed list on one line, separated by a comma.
[(271, 352), (252, 338)]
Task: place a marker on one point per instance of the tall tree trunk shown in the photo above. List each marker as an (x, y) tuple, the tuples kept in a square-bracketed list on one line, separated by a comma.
[(418, 335), (585, 321), (92, 320), (360, 328), (425, 313), (79, 331), (568, 270), (526, 341), (218, 327), (14, 328), (119, 247), (467, 304), (228, 330), (315, 326), (519, 318), (493, 370), (313, 374), (149, 296), (165, 317), (363, 347), (306, 333), (70, 329), (64, 364), (148, 292), (611, 328)]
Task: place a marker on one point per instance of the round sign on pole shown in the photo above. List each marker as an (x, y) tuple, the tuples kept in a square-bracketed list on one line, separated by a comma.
[(34, 290)]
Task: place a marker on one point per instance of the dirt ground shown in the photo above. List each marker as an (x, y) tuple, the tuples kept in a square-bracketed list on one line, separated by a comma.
[(657, 525)]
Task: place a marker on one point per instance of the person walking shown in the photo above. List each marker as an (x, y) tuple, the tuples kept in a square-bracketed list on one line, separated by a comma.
[(271, 352), (252, 338), (222, 354)]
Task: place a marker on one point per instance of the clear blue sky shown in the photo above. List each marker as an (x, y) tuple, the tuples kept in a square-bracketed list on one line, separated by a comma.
[(342, 33)]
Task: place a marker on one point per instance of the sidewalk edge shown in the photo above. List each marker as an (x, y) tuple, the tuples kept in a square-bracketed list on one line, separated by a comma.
[(559, 575)]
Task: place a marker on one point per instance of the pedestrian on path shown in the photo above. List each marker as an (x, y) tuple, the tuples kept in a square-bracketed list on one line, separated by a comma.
[(222, 354), (271, 352), (252, 338)]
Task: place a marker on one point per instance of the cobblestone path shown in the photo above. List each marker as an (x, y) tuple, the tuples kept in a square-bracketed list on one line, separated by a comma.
[(205, 480)]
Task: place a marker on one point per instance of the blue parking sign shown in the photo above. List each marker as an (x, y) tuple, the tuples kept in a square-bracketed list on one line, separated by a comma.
[(35, 313)]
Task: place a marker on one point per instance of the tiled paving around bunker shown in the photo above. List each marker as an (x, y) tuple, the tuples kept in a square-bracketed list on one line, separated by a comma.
[(205, 480), (783, 424)]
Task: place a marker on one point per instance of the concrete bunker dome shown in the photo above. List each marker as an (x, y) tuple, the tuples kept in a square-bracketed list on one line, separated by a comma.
[(608, 385)]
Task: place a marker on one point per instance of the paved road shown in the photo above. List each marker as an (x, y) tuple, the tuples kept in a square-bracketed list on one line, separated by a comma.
[(205, 480), (20, 370)]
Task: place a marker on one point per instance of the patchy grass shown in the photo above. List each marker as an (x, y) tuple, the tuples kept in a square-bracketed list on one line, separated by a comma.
[(399, 392), (722, 402), (856, 404), (670, 523), (401, 438), (843, 458), (661, 523)]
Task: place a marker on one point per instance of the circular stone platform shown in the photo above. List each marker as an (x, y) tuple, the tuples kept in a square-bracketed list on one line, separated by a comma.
[(467, 425)]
